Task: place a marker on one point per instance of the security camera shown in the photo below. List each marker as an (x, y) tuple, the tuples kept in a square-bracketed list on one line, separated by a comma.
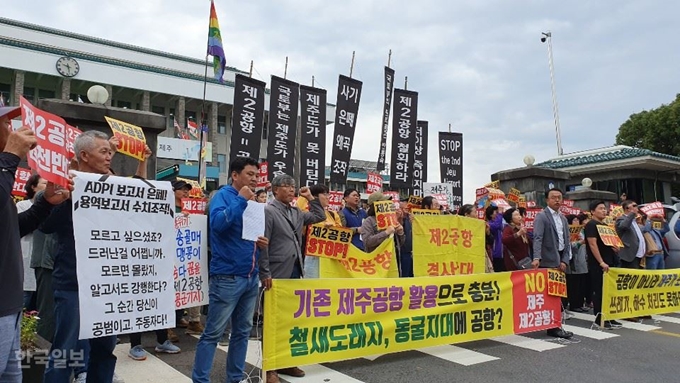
[(543, 39)]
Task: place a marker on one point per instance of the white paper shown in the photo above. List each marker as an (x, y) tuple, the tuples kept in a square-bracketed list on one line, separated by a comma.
[(191, 260), (253, 221), (124, 230)]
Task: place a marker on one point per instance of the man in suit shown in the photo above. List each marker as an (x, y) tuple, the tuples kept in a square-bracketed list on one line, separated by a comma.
[(551, 243), (629, 231)]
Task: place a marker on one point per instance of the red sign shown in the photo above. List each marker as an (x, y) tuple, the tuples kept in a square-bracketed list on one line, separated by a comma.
[(531, 204), (566, 210), (194, 205), (373, 183), (20, 178), (568, 202), (533, 305), (335, 201), (71, 134), (262, 176), (654, 209), (49, 158), (530, 217), (442, 199)]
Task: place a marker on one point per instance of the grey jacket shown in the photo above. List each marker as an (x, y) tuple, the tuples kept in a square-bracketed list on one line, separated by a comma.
[(579, 261), (373, 238), (285, 246), (631, 242), (546, 242)]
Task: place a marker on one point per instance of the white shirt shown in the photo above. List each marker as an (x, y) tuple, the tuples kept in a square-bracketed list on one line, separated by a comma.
[(27, 248), (642, 249), (560, 228)]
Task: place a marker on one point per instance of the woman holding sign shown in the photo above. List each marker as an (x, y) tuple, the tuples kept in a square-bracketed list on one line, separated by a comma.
[(371, 235), (516, 243)]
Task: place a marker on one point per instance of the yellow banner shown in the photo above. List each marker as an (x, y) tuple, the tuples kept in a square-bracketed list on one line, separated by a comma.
[(575, 232), (385, 214), (522, 202), (447, 245), (328, 242), (629, 293), (414, 202), (132, 141), (381, 263), (657, 225), (557, 283), (312, 321), (425, 212), (608, 236), (513, 195)]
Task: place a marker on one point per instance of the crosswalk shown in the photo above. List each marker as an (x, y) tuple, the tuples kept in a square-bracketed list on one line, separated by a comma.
[(155, 369)]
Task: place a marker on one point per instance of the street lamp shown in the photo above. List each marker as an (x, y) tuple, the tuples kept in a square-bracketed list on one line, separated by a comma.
[(529, 160), (97, 94), (587, 183), (547, 36)]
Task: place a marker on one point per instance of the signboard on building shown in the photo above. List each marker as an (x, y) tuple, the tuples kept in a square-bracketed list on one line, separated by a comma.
[(178, 149)]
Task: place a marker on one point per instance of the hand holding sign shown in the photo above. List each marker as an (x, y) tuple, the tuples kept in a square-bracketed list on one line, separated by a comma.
[(20, 142), (131, 138)]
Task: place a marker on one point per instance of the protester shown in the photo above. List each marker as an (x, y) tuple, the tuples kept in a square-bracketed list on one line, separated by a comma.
[(577, 272), (468, 210), (494, 236), (371, 236), (93, 155), (233, 274), (657, 253), (428, 203), (261, 196), (600, 258), (34, 185), (516, 243), (634, 247), (14, 145), (551, 243), (352, 216), (405, 218)]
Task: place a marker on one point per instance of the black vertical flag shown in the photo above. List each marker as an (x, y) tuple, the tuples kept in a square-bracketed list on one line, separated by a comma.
[(420, 158), (404, 120), (247, 118), (313, 135), (451, 164), (283, 111), (389, 77), (346, 111)]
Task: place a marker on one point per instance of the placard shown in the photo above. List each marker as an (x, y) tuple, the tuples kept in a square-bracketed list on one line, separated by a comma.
[(194, 205), (385, 214), (632, 293), (191, 261), (608, 236), (131, 139)]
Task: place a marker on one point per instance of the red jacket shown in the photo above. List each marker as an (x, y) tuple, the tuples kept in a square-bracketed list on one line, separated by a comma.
[(514, 245)]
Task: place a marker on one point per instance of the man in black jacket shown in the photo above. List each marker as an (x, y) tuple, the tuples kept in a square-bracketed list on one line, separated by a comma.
[(13, 147)]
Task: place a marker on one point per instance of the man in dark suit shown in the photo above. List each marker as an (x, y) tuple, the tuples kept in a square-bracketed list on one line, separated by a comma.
[(551, 243), (629, 231)]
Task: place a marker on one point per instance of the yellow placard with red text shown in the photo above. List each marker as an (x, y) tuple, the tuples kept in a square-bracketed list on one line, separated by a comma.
[(328, 241), (657, 225), (385, 214), (575, 232), (522, 202), (608, 236), (557, 283), (425, 212), (380, 263), (447, 245), (414, 202), (312, 321), (513, 195), (132, 141), (631, 293)]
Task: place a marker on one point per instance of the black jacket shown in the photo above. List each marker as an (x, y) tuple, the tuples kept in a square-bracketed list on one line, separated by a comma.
[(13, 226)]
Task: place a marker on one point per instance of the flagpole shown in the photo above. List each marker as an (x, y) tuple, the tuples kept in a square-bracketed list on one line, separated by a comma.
[(203, 122)]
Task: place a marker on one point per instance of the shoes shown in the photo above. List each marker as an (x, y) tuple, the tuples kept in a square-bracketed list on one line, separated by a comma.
[(137, 353), (81, 378), (272, 377), (194, 328), (172, 337), (581, 309), (117, 379), (646, 317), (167, 348), (224, 341), (292, 371), (183, 323), (608, 325), (560, 333), (615, 324)]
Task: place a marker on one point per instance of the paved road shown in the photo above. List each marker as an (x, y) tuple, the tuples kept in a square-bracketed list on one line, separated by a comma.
[(636, 353)]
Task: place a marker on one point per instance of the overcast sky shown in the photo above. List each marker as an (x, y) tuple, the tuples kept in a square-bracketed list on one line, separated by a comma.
[(478, 65)]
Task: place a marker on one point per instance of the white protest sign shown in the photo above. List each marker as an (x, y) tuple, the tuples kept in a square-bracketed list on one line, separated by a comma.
[(253, 221), (191, 260), (432, 188), (123, 229)]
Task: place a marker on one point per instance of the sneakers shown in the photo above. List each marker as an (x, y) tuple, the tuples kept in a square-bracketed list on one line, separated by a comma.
[(608, 325), (137, 353), (172, 337), (615, 324), (167, 348), (117, 379), (224, 341), (195, 328), (81, 378)]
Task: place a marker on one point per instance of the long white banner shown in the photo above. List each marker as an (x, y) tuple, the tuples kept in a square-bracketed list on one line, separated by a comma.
[(179, 149)]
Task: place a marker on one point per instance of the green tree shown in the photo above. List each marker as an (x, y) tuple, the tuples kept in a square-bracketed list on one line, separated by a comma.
[(657, 129)]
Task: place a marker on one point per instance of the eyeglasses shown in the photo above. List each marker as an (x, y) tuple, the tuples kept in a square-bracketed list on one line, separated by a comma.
[(633, 205)]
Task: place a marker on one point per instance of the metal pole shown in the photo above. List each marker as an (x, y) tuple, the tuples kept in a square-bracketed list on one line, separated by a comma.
[(556, 113), (351, 68), (406, 83), (312, 81), (251, 69), (285, 70), (389, 58)]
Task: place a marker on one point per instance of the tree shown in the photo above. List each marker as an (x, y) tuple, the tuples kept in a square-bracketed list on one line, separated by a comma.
[(657, 129)]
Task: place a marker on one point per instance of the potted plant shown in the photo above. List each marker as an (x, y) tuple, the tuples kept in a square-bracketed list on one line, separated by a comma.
[(34, 349)]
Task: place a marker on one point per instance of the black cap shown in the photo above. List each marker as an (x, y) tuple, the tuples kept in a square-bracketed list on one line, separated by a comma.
[(180, 184)]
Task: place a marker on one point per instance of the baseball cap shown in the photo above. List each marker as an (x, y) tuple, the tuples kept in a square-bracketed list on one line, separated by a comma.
[(179, 184), (377, 196), (11, 112)]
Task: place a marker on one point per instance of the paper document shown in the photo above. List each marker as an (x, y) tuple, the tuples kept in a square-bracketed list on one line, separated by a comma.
[(253, 221)]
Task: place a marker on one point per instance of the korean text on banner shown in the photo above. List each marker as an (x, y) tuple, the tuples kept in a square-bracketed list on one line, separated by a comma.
[(335, 200), (380, 263), (654, 209), (609, 236), (575, 232), (194, 205), (447, 245), (557, 283), (123, 230), (374, 182), (513, 195), (425, 212), (191, 261), (328, 242), (385, 214), (50, 156), (320, 320), (20, 178), (131, 137), (629, 293)]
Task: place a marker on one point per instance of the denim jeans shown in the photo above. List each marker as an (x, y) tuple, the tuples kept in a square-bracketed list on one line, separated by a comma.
[(655, 262), (10, 355), (231, 297), (68, 353)]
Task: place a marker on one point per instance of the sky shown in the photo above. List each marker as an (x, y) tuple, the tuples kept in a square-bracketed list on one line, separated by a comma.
[(477, 65)]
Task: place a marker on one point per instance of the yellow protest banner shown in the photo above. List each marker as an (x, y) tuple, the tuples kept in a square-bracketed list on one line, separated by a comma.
[(425, 212), (608, 236), (447, 245), (328, 242), (557, 283), (385, 214), (196, 190), (657, 225), (513, 195), (629, 293), (380, 263), (311, 321), (132, 141), (575, 232), (522, 202), (414, 202)]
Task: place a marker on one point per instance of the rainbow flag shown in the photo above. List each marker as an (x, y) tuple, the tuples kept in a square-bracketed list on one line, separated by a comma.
[(215, 48)]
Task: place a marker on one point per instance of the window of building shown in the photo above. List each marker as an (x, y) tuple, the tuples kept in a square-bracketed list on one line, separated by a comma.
[(78, 98), (158, 110), (222, 124), (5, 94), (29, 94), (222, 162), (44, 93), (123, 104), (191, 116)]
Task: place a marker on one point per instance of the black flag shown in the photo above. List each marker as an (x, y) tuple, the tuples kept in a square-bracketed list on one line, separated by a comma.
[(389, 76), (283, 111), (420, 159), (247, 118), (313, 135), (404, 120), (346, 111), (451, 164)]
